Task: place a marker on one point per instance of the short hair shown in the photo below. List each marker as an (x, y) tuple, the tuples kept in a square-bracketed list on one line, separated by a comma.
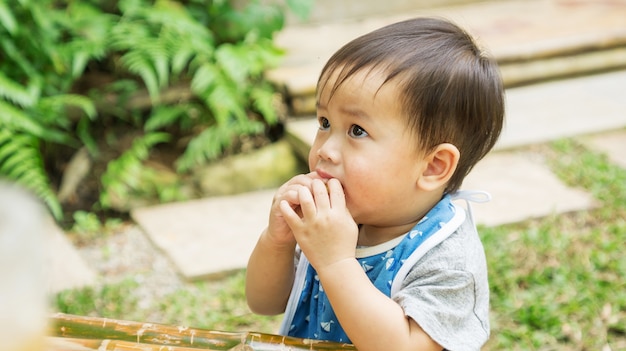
[(452, 92)]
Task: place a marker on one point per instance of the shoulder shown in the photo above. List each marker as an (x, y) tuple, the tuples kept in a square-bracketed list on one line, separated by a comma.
[(462, 251), (447, 292)]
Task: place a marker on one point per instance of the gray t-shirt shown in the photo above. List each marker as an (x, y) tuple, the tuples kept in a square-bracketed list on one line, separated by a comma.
[(447, 291)]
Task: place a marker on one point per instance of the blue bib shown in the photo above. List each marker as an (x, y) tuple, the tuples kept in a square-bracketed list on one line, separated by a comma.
[(309, 313)]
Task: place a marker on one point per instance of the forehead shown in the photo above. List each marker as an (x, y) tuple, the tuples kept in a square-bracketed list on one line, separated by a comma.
[(364, 93), (369, 81)]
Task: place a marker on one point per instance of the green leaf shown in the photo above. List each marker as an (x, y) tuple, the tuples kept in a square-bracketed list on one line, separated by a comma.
[(17, 93), (25, 64), (205, 77), (263, 101), (126, 173), (140, 63), (20, 161), (7, 20), (82, 131), (84, 103), (18, 120), (165, 116), (205, 146), (234, 62), (225, 103), (181, 59)]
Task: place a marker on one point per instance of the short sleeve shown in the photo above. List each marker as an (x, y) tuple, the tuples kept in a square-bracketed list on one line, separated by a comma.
[(447, 292)]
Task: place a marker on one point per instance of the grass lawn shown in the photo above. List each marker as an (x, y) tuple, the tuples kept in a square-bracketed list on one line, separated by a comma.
[(558, 283)]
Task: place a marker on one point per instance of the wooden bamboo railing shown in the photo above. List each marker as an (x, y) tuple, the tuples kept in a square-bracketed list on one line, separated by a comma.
[(79, 333)]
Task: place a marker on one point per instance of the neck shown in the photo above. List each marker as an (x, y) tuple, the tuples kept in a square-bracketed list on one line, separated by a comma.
[(374, 234)]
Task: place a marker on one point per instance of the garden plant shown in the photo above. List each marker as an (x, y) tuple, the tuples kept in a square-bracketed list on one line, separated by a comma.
[(121, 78)]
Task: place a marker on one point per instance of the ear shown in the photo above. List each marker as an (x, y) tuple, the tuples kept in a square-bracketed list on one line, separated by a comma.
[(439, 167)]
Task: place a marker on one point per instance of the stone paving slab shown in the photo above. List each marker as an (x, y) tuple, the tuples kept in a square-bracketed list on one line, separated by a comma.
[(564, 108), (521, 187), (66, 269), (209, 237)]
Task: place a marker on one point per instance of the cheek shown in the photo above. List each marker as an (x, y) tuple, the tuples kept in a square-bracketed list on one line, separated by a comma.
[(359, 180), (313, 158)]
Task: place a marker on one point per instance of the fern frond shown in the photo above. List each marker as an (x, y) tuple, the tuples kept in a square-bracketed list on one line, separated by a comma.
[(58, 102), (124, 173), (205, 77), (181, 59), (17, 93), (7, 20), (263, 100), (226, 103), (234, 62), (80, 51), (204, 147), (139, 63), (10, 50), (210, 143), (83, 133), (126, 34), (18, 120), (21, 161), (43, 17), (161, 61), (165, 116)]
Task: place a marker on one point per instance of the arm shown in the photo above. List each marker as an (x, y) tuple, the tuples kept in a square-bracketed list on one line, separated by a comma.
[(371, 319), (328, 235), (270, 269), (269, 276)]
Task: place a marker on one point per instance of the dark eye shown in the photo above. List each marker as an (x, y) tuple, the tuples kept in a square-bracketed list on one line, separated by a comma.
[(324, 123), (357, 132)]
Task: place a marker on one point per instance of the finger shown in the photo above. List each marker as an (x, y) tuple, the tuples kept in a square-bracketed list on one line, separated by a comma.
[(314, 175), (292, 197), (336, 194), (289, 214), (320, 194), (307, 203), (300, 179)]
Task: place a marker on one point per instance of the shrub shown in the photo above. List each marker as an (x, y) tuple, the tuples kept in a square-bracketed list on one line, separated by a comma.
[(169, 71)]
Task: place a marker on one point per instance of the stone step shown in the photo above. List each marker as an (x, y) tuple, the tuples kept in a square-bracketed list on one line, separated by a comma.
[(533, 40), (333, 11)]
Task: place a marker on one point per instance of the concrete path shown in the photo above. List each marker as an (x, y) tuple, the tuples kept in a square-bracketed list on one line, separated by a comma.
[(213, 236)]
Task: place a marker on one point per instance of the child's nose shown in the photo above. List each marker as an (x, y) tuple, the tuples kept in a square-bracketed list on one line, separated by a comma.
[(329, 150)]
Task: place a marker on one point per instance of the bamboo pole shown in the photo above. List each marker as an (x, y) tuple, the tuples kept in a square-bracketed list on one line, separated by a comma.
[(75, 344), (73, 333)]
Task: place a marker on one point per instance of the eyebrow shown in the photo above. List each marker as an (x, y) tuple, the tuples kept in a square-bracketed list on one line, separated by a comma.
[(354, 111)]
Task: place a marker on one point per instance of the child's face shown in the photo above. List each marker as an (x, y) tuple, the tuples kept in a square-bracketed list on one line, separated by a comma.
[(364, 142)]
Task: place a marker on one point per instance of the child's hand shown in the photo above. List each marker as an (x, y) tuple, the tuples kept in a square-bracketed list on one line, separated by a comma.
[(278, 231), (323, 226)]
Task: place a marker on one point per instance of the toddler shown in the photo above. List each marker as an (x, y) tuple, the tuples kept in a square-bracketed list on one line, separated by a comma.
[(369, 248)]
